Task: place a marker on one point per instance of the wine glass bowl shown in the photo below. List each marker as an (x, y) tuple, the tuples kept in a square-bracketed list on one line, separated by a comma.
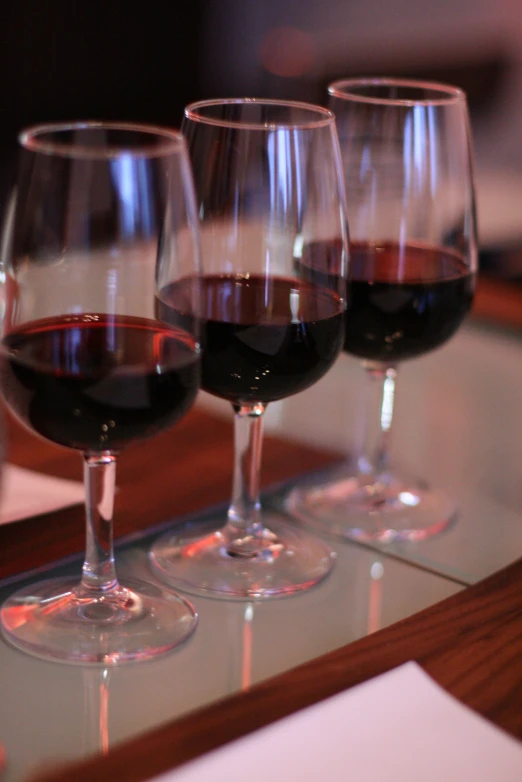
[(269, 187), (101, 211), (413, 258)]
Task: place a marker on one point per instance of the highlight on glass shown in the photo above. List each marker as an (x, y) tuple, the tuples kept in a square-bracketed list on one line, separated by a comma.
[(100, 211)]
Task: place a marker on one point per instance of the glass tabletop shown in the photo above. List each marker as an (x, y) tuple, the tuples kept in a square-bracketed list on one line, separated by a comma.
[(69, 712), (458, 422)]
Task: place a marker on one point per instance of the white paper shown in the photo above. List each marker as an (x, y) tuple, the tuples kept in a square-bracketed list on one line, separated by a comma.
[(26, 493), (398, 727)]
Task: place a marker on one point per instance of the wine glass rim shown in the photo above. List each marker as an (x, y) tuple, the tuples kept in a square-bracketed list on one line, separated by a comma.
[(323, 116), (444, 94), (34, 139)]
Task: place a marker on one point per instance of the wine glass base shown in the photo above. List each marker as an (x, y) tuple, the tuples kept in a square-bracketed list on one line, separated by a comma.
[(278, 563), (387, 511), (54, 620)]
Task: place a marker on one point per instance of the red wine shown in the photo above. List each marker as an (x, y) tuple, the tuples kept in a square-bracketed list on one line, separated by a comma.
[(404, 301), (401, 301), (96, 382), (264, 338)]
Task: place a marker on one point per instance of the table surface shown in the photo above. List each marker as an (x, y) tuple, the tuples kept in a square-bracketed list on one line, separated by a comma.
[(459, 418)]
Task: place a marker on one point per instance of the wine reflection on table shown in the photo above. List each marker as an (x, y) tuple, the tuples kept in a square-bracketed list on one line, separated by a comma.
[(375, 596), (246, 662), (95, 739)]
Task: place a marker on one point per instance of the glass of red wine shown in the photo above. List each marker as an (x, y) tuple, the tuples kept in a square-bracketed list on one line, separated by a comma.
[(101, 211), (413, 259), (270, 192)]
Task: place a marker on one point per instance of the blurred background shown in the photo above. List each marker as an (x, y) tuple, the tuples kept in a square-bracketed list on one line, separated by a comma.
[(145, 61)]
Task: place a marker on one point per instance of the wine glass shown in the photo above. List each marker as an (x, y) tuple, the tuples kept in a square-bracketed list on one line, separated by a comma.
[(100, 210), (270, 193), (413, 259)]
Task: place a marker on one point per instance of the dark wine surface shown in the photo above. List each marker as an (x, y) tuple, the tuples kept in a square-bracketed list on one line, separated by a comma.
[(401, 301), (264, 338), (96, 382)]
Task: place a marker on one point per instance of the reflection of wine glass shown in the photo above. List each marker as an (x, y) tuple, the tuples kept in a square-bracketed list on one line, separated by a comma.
[(410, 203), (100, 209), (96, 710), (270, 192)]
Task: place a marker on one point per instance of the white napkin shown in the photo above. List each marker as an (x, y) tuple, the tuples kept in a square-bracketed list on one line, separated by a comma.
[(398, 727), (27, 493)]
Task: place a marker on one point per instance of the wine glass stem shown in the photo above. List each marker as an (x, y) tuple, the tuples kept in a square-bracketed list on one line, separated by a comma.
[(99, 572), (375, 457), (244, 513)]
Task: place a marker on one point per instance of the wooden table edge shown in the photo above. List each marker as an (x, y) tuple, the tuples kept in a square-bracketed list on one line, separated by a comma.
[(469, 643)]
